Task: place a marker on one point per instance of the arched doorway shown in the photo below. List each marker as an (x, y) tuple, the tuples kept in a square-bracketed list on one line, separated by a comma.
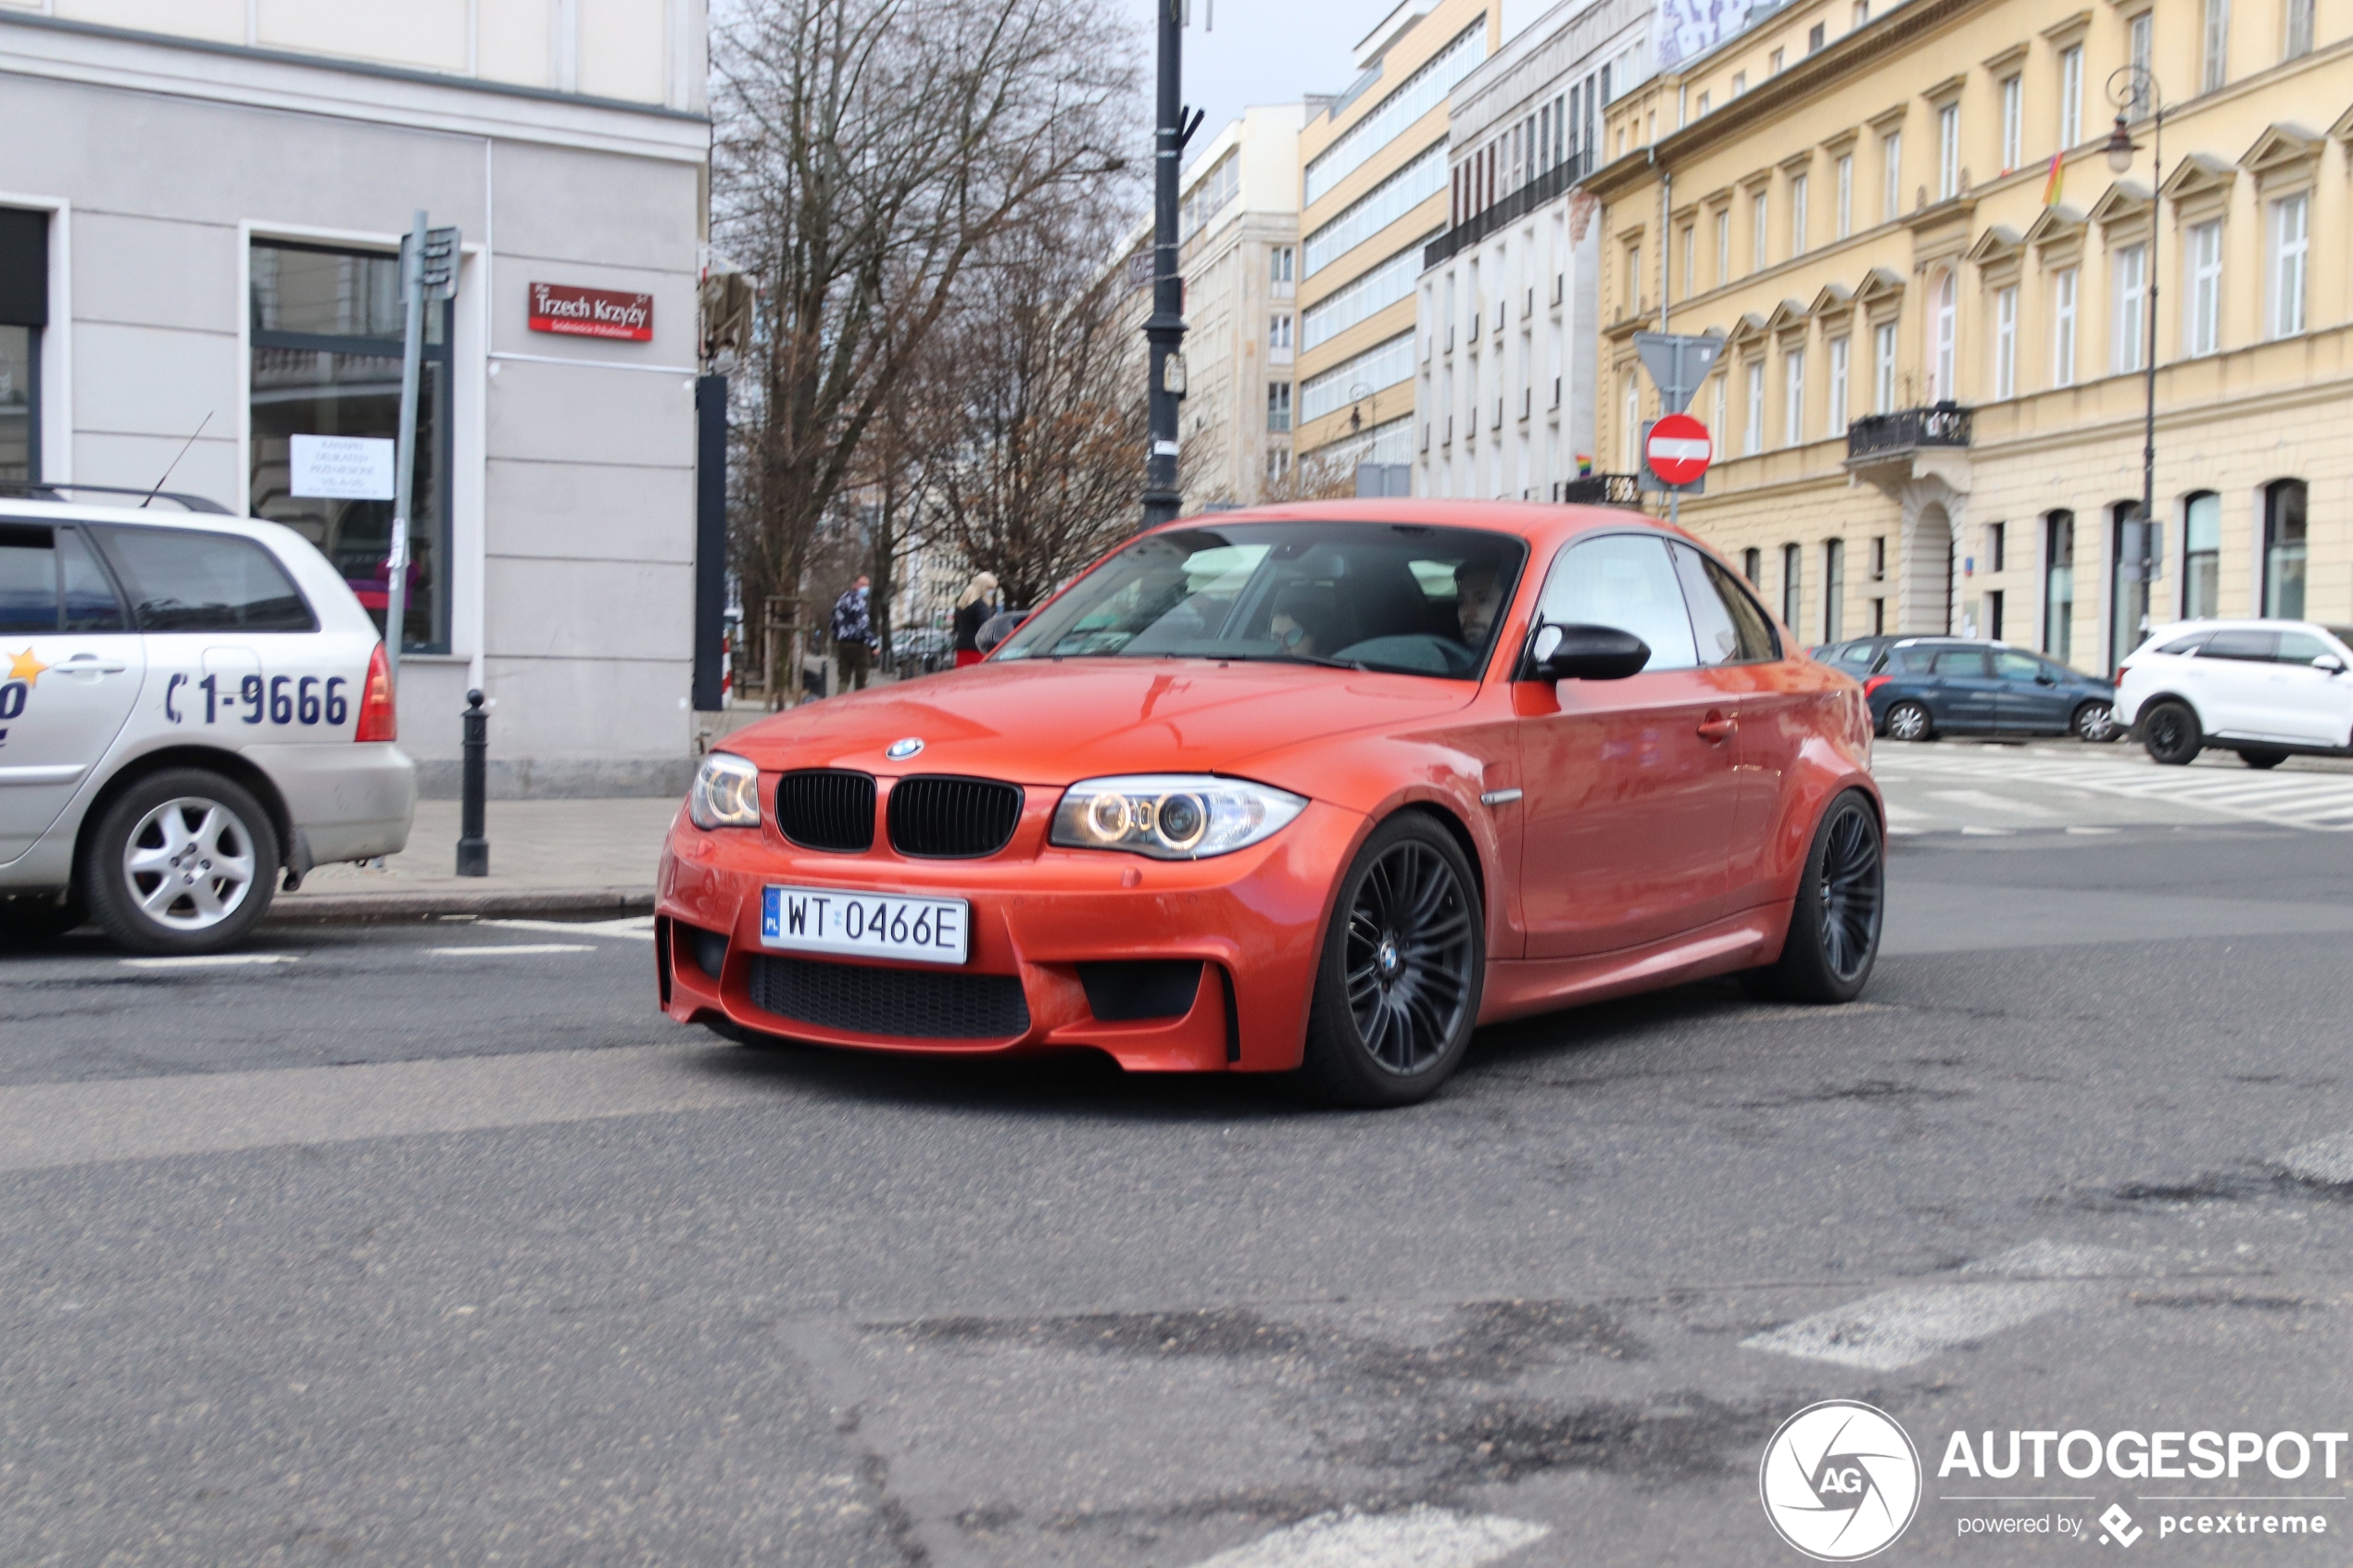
[(1929, 572)]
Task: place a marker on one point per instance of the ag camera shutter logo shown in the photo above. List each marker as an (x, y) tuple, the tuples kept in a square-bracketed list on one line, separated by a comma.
[(1840, 1481)]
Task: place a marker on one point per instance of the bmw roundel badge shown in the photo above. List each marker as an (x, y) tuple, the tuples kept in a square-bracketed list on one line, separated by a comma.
[(900, 750)]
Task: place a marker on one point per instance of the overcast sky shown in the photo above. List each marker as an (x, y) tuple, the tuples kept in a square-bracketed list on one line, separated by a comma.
[(1244, 52)]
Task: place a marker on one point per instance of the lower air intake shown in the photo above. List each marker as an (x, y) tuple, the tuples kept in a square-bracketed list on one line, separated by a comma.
[(907, 1004)]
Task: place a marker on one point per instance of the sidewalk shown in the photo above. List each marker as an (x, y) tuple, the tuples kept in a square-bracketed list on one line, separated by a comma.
[(547, 856)]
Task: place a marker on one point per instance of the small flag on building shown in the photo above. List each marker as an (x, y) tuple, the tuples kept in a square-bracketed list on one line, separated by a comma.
[(2058, 178)]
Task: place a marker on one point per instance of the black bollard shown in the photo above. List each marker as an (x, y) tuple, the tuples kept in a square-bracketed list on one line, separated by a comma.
[(474, 850)]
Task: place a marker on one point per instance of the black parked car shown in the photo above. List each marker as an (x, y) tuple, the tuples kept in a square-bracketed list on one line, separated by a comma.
[(1921, 687)]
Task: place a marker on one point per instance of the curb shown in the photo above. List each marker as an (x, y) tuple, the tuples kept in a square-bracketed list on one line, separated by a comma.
[(300, 907)]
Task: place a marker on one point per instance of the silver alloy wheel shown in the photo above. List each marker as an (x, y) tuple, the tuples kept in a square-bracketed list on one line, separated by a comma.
[(189, 864), (2095, 722), (1908, 720)]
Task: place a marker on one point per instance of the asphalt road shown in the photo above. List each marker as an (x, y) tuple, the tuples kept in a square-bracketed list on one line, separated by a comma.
[(432, 1243)]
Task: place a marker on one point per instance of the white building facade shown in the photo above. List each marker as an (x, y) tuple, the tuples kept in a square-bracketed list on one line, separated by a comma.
[(200, 213), (1506, 304)]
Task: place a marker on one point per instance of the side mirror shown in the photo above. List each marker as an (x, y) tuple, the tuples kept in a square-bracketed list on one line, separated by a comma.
[(2331, 663), (1584, 653)]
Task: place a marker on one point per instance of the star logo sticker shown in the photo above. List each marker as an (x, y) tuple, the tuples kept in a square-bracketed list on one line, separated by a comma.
[(24, 667)]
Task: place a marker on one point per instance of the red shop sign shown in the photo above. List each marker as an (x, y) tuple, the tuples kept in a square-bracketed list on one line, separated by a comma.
[(577, 312)]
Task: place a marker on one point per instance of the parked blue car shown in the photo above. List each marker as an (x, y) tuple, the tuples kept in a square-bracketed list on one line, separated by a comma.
[(1921, 687)]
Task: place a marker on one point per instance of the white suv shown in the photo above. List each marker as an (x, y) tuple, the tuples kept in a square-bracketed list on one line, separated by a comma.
[(2262, 688), (190, 706)]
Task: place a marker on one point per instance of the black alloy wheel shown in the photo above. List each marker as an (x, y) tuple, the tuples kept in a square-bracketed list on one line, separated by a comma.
[(2261, 756), (1397, 992), (1908, 720), (2170, 733), (1842, 901)]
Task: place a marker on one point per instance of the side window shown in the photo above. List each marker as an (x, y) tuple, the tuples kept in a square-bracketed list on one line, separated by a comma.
[(2300, 648), (2189, 644), (91, 603), (2256, 646), (1731, 630), (189, 581), (1625, 581), (28, 579), (2018, 666), (1959, 661)]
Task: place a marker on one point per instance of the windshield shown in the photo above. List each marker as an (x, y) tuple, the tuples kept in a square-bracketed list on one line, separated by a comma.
[(1398, 597)]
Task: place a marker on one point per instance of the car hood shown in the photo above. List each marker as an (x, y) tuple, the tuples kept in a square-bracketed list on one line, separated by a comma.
[(1054, 722)]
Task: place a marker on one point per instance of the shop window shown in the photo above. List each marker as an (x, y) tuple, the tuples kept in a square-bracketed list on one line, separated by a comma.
[(2132, 542), (326, 333), (2058, 586), (24, 311), (2202, 556), (2283, 549)]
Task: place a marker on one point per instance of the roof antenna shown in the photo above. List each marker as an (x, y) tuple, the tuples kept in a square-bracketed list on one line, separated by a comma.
[(175, 462)]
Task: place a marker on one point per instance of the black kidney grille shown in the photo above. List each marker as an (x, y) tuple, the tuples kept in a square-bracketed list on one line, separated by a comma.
[(908, 1004), (827, 808), (950, 819)]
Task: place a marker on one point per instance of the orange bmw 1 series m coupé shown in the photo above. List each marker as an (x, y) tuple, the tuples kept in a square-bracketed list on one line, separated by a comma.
[(1310, 789)]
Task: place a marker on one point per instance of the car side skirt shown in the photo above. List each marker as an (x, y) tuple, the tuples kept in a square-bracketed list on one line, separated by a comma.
[(1518, 988)]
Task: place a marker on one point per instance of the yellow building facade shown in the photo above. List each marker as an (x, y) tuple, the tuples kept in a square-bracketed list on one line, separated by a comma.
[(1372, 180), (1929, 406)]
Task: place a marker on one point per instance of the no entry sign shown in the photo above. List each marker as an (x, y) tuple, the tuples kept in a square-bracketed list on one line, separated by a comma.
[(1679, 449)]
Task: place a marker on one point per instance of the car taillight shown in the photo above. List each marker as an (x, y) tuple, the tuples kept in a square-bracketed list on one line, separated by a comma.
[(2120, 673), (1874, 683), (378, 720)]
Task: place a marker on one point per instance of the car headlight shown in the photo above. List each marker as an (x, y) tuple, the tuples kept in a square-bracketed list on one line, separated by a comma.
[(1171, 816), (725, 793)]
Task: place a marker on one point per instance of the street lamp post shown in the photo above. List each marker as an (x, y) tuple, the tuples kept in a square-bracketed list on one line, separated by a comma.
[(1164, 328), (2128, 86)]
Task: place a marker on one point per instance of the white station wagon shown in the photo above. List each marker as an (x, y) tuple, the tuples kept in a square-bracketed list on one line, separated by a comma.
[(191, 707), (2265, 689)]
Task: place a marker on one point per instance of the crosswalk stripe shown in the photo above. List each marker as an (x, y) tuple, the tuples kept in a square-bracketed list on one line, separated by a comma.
[(1897, 1328), (2328, 1161), (1420, 1536), (2322, 802)]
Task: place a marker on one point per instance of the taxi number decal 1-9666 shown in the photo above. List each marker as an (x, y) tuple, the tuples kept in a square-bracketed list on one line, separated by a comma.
[(878, 925), (280, 700)]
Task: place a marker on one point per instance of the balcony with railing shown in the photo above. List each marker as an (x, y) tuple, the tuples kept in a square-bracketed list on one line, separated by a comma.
[(1877, 437), (1601, 490)]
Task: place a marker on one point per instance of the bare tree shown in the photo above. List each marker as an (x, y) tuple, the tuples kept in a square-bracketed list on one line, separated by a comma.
[(866, 150), (1042, 475)]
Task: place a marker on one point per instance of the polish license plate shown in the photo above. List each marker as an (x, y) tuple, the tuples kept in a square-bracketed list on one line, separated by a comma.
[(874, 925)]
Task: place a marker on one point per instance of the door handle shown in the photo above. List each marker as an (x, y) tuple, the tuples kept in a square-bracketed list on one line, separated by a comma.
[(1718, 727), (90, 664)]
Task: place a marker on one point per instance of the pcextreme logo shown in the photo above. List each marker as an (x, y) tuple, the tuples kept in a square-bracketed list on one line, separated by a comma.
[(23, 671), (1840, 1481)]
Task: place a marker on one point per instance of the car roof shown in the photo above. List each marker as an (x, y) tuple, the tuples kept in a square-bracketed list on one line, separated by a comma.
[(1528, 519)]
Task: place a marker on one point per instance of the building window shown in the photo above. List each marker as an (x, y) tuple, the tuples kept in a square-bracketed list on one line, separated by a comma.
[(1633, 285), (1883, 367), (1278, 406), (1723, 247), (1815, 36), (1752, 566), (2071, 97), (1630, 437), (1281, 260), (2202, 556), (1278, 465), (2131, 301), (2140, 31), (1279, 332), (2131, 543), (1773, 63), (2299, 30), (1833, 589), (2283, 549), (2058, 586), (2013, 123), (1691, 259), (1839, 349), (1947, 327), (1793, 602), (1845, 195), (2291, 239), (1753, 432), (1891, 155), (1718, 426), (2063, 327), (2214, 58), (1740, 82), (1704, 104), (2005, 342), (1879, 558), (2203, 329), (1759, 213), (24, 312), (1994, 615), (1798, 189), (1793, 398), (1996, 536), (1862, 13), (1949, 151), (326, 334)]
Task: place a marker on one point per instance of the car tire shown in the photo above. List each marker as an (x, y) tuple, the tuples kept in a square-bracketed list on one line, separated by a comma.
[(1909, 720), (2261, 756), (1841, 904), (1398, 984), (2170, 733), (188, 828), (2092, 722)]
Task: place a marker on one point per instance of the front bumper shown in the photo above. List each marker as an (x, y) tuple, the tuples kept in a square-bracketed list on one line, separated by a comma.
[(1253, 919)]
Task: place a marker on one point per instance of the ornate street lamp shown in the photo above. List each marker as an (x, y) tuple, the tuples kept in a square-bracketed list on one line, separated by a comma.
[(2128, 88)]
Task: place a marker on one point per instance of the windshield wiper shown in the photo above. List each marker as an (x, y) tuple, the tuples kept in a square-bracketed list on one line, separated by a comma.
[(1288, 658)]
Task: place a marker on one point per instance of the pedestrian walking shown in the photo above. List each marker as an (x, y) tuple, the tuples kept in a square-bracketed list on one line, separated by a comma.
[(854, 634), (974, 608)]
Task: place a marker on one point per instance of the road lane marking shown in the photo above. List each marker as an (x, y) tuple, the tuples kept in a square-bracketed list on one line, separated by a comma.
[(1897, 1328), (47, 1125), (1421, 1536), (2328, 1161), (483, 949), (2318, 802), (639, 926), (213, 960)]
